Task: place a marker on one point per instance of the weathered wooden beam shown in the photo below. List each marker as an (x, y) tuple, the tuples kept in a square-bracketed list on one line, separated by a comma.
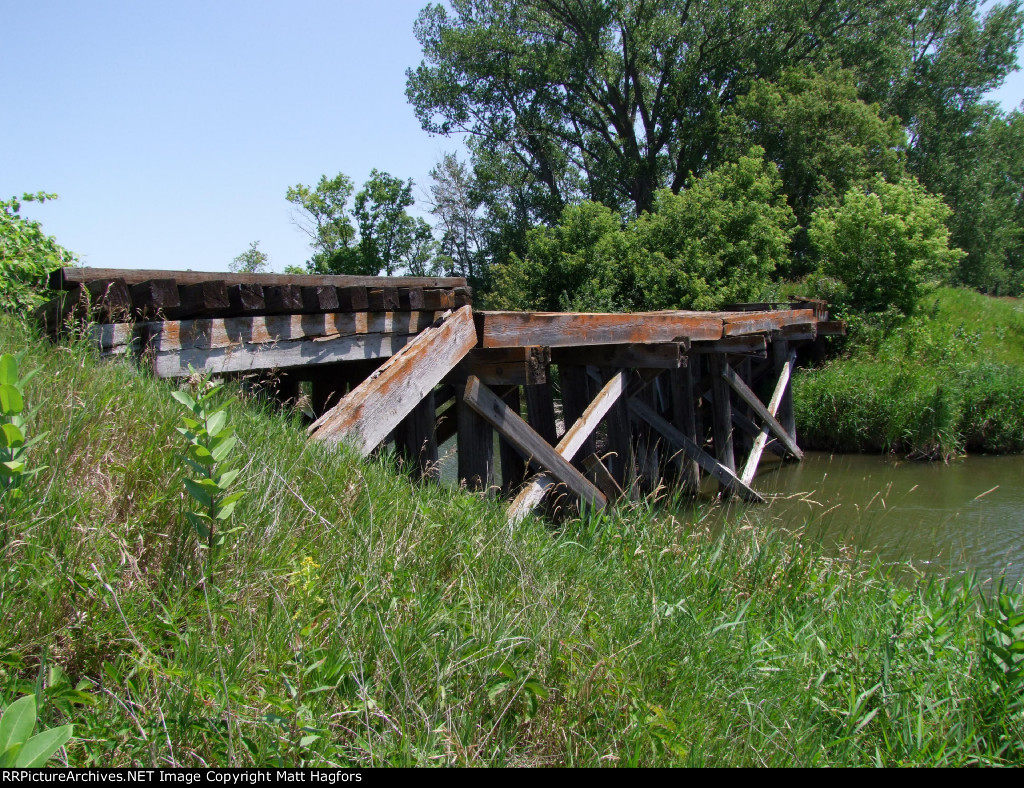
[(410, 298), (202, 299), (246, 299), (619, 455), (63, 278), (475, 446), (684, 419), (320, 298), (374, 408), (518, 366), (352, 299), (438, 299), (463, 296), (680, 442), (514, 469), (573, 440), (832, 328), (577, 394), (753, 430), (415, 438), (669, 355), (606, 483), (540, 410), (154, 298), (750, 468), (748, 396), (740, 323), (755, 344), (559, 329), (721, 413), (283, 299), (786, 413), (111, 301), (384, 299)]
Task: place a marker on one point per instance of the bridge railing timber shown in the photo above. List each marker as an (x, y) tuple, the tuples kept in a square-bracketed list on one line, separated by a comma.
[(587, 407)]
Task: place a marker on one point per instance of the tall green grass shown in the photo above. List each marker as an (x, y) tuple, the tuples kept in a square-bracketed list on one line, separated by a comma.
[(358, 619), (948, 380)]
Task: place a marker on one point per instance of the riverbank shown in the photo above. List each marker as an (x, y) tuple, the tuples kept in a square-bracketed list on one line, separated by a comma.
[(356, 619), (948, 380)]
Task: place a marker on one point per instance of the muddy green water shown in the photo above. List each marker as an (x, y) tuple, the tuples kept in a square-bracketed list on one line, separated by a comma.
[(941, 519)]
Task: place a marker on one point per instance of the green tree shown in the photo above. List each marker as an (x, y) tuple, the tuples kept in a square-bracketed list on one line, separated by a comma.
[(455, 203), (389, 238), (322, 214), (721, 239), (884, 245), (251, 261), (27, 255), (611, 100)]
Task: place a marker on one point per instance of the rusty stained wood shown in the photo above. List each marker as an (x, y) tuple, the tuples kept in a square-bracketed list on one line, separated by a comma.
[(748, 396), (753, 344), (666, 355), (750, 468), (741, 323), (573, 440), (560, 329), (680, 442), (63, 278), (375, 407)]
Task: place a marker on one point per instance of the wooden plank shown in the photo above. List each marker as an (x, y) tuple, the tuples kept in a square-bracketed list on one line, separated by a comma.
[(832, 328), (619, 456), (246, 299), (511, 426), (202, 299), (540, 410), (384, 299), (680, 442), (753, 430), (750, 468), (520, 366), (212, 333), (740, 323), (758, 407), (415, 439), (374, 408), (755, 344), (475, 446), (606, 483), (786, 413), (154, 298), (352, 299), (319, 298), (63, 278), (463, 296), (684, 418), (410, 298), (559, 329), (668, 355), (721, 414), (573, 440), (283, 299), (438, 299), (111, 301), (514, 469), (576, 387), (69, 306)]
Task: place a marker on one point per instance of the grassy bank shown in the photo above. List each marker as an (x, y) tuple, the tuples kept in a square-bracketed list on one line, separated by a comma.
[(948, 380), (357, 619)]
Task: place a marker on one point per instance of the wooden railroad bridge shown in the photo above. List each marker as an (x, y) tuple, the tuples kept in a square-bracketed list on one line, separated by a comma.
[(587, 407)]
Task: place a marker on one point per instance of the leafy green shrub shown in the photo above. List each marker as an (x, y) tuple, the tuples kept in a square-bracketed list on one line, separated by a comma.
[(720, 240), (19, 749), (210, 443), (27, 255), (886, 243), (14, 440)]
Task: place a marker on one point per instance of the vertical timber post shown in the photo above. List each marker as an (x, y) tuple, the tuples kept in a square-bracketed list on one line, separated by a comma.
[(514, 469), (415, 438), (619, 435), (576, 395), (685, 420), (787, 416), (475, 446), (721, 414)]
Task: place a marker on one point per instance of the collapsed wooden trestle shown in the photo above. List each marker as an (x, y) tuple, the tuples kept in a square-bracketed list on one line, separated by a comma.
[(587, 407)]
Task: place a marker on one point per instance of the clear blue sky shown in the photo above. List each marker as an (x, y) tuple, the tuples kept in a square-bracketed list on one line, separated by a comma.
[(172, 130)]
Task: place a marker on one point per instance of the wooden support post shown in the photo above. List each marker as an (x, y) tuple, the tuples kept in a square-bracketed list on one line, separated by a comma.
[(781, 355), (741, 443), (576, 396), (327, 387), (568, 447), (540, 410), (366, 416), (684, 420), (721, 416), (748, 396), (514, 469), (603, 478), (415, 439), (726, 477), (511, 426), (773, 406), (619, 457), (475, 446)]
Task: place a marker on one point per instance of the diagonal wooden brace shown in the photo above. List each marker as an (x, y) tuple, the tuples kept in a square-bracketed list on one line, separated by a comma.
[(773, 408), (758, 407)]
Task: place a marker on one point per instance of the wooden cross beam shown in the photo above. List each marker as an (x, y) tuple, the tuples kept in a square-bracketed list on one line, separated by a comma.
[(773, 407), (531, 445), (376, 406), (748, 396), (680, 442)]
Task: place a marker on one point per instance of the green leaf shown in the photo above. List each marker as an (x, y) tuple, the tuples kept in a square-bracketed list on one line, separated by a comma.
[(39, 749), (184, 399), (216, 422), (17, 723), (200, 492), (225, 479), (200, 522), (11, 467), (224, 511), (11, 401), (11, 437), (8, 757), (223, 450), (8, 370)]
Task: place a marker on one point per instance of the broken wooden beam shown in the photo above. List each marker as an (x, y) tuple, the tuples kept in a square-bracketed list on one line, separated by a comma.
[(750, 468), (748, 396), (375, 407)]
